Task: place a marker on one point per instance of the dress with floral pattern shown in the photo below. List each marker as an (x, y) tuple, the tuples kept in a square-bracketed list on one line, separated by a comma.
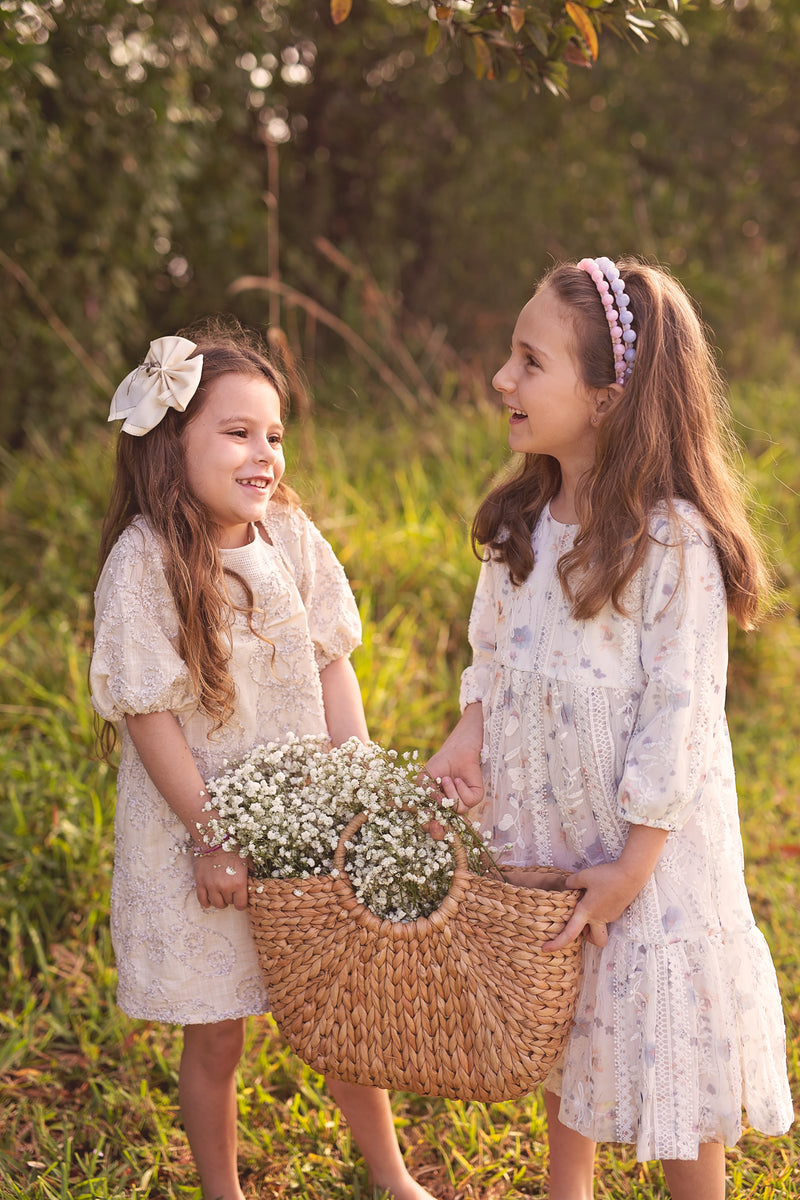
[(177, 962), (590, 726)]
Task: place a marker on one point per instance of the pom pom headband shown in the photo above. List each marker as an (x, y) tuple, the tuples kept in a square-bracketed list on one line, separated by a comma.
[(616, 304), (167, 378)]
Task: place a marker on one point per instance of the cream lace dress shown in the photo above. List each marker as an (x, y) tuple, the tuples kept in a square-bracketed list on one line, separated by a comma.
[(177, 962), (590, 726)]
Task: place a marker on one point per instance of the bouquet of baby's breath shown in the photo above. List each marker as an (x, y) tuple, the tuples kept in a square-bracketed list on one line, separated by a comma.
[(284, 808)]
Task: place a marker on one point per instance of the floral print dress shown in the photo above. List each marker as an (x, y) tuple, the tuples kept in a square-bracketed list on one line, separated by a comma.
[(590, 726), (177, 962)]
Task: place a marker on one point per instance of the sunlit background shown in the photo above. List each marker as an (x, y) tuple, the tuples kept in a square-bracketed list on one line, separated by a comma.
[(151, 154)]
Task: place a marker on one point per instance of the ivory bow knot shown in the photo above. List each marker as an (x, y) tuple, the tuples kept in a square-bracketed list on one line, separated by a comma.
[(167, 378)]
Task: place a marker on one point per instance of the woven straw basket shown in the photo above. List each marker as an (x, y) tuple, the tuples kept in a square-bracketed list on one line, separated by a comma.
[(463, 1003)]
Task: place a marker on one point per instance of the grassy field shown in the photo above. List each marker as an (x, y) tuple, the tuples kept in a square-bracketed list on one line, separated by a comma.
[(89, 1098)]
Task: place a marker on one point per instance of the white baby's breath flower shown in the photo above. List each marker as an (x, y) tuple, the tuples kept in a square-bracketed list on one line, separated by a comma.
[(284, 807)]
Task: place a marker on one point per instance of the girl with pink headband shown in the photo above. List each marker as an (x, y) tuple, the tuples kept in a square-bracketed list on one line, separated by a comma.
[(593, 733)]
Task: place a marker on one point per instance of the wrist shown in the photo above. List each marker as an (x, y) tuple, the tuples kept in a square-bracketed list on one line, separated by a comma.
[(641, 853), (203, 840), (204, 849), (469, 730)]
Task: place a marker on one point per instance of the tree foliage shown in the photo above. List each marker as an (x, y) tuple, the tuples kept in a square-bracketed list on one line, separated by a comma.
[(151, 153), (110, 113), (535, 42)]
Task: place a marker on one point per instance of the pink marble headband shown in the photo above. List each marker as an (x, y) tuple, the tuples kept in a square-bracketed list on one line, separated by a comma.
[(616, 303)]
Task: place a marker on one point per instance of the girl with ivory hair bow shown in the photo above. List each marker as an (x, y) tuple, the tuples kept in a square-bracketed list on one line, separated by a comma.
[(593, 727), (223, 620)]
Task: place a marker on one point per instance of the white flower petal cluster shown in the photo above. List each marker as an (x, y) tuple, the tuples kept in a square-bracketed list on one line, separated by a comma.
[(285, 807), (397, 869)]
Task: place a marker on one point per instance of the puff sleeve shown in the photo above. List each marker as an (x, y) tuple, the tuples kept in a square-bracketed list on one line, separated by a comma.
[(684, 656), (476, 678), (135, 665), (332, 613)]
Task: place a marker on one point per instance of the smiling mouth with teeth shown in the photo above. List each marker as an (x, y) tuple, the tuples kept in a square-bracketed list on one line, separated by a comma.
[(258, 483)]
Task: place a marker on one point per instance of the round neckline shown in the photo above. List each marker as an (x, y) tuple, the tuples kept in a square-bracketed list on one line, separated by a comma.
[(561, 524), (252, 540)]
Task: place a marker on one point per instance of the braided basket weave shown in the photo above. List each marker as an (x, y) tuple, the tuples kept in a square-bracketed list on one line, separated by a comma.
[(463, 1003)]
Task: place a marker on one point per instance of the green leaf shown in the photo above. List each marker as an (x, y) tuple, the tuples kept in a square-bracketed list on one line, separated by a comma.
[(432, 37), (483, 57), (538, 35)]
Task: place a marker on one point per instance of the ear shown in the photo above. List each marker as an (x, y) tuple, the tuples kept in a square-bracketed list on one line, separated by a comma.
[(604, 401)]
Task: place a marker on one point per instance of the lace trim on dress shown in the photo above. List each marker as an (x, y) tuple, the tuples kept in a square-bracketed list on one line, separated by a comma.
[(536, 803), (597, 753)]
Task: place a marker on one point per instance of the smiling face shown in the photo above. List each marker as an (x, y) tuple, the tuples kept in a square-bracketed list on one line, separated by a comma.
[(550, 406), (234, 454)]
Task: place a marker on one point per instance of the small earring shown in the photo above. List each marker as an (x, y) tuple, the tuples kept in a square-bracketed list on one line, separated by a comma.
[(594, 418)]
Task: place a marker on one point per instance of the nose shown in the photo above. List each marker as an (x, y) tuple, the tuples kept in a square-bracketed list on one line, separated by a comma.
[(502, 381), (267, 452)]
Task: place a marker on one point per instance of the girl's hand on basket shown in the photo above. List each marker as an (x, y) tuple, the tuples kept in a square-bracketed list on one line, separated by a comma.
[(610, 887), (221, 879), (603, 900)]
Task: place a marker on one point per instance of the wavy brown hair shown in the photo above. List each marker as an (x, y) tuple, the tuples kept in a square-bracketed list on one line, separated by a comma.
[(150, 481), (667, 436)]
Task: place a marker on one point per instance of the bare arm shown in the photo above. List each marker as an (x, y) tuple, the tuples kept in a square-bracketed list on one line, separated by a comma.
[(611, 887), (168, 761), (344, 708)]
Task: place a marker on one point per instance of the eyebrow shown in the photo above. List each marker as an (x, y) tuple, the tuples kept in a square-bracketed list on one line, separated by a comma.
[(535, 350), (245, 420)]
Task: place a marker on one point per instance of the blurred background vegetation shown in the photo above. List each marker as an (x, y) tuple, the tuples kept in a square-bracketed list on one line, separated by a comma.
[(152, 154)]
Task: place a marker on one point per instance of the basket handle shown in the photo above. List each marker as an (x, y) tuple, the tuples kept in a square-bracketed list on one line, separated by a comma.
[(354, 824)]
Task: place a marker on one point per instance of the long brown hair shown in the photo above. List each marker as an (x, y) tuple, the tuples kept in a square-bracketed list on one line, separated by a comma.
[(150, 481), (668, 436)]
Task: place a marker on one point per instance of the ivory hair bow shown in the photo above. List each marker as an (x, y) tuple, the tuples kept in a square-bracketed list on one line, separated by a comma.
[(167, 378)]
